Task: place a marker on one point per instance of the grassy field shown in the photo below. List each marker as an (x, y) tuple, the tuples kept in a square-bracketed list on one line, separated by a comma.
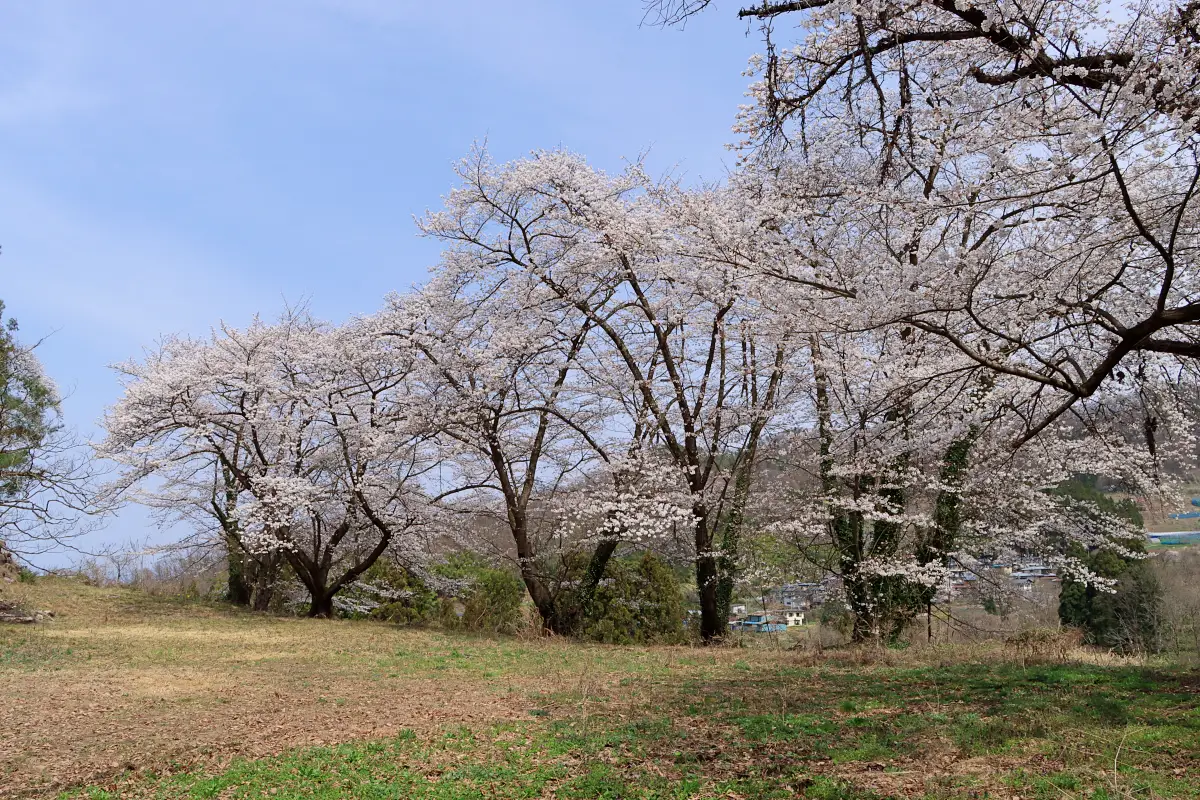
[(126, 695)]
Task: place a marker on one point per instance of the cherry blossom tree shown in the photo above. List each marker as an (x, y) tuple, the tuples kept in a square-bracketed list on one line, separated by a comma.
[(678, 338), (203, 494), (912, 474), (317, 442), (1019, 179), (957, 261), (526, 443)]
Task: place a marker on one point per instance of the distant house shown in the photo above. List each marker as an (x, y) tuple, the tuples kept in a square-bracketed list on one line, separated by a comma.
[(794, 618), (761, 623), (961, 577), (739, 610)]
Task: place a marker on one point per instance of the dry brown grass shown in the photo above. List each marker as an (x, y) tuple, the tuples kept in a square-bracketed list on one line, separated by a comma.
[(121, 681)]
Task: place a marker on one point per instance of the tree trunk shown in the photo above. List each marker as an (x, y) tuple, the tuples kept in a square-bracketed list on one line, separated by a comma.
[(864, 625), (570, 619), (731, 536), (735, 519), (322, 604), (846, 529), (317, 580), (848, 539), (263, 595), (314, 574), (543, 601), (236, 558), (864, 629), (265, 571), (239, 588), (897, 600), (597, 565), (942, 538), (712, 626)]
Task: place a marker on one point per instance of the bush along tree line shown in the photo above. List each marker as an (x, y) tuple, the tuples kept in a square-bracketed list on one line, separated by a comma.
[(1126, 614), (639, 601), (955, 266)]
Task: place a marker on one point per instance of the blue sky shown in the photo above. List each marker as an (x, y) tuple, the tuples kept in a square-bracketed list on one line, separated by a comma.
[(167, 166)]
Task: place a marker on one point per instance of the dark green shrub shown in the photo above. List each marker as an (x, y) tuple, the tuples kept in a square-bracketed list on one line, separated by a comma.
[(998, 604), (391, 593), (1085, 488), (489, 599), (835, 616), (1127, 620), (637, 602), (493, 603)]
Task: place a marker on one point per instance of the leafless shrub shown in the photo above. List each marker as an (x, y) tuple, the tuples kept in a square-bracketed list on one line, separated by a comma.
[(191, 572), (1177, 571), (1044, 644)]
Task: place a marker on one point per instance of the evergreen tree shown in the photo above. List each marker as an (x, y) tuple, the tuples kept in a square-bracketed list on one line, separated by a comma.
[(1125, 620), (638, 602), (28, 419), (27, 406)]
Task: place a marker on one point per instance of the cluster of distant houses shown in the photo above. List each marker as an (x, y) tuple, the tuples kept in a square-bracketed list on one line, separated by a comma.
[(786, 606), (1022, 574)]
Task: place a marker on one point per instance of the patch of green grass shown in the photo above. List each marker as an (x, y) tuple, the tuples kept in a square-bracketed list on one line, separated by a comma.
[(399, 767), (602, 782), (29, 648), (977, 735), (762, 728), (833, 789), (510, 762)]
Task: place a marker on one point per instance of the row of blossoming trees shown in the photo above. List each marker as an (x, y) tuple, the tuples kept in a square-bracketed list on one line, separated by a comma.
[(955, 267)]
